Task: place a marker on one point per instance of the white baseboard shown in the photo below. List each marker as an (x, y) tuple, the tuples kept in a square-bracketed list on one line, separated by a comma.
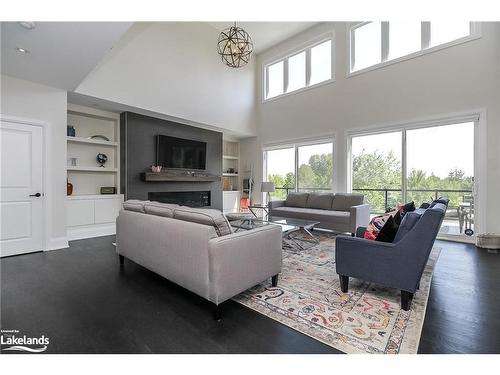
[(89, 231), (56, 243)]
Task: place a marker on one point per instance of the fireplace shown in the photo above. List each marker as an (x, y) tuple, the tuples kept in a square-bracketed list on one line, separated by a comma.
[(184, 198)]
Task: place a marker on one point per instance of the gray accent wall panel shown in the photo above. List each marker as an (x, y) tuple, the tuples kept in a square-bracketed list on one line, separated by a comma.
[(138, 152)]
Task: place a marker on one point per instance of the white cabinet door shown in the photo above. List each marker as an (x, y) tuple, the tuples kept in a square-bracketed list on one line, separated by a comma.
[(79, 212), (106, 210), (21, 183), (230, 201)]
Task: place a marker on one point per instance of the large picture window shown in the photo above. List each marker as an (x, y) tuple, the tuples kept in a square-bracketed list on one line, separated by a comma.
[(375, 43), (299, 167), (391, 168), (303, 68)]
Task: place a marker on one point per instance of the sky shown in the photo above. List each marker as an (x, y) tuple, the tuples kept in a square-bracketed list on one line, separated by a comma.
[(435, 150), (282, 161)]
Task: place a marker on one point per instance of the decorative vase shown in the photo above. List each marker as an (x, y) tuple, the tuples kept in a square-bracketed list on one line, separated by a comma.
[(69, 188)]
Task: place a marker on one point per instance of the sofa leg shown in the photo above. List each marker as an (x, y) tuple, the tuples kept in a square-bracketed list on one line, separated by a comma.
[(217, 312), (274, 281), (406, 298), (122, 259), (344, 283)]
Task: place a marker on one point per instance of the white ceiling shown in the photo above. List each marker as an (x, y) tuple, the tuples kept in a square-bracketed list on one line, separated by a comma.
[(61, 53), (267, 34)]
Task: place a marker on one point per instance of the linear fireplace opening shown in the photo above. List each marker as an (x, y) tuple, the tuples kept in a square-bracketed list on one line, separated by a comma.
[(185, 198)]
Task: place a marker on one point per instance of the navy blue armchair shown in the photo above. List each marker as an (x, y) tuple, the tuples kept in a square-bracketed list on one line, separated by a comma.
[(399, 264)]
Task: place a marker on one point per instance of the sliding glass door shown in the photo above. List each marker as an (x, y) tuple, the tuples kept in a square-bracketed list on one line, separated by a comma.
[(299, 167), (443, 167), (419, 164), (279, 168), (315, 171), (376, 169)]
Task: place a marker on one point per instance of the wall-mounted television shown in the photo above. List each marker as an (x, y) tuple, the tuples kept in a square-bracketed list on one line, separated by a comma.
[(179, 153)]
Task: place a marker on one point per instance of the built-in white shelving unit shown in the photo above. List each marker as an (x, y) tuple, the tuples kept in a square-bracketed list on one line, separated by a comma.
[(89, 213), (87, 176), (92, 141), (230, 175)]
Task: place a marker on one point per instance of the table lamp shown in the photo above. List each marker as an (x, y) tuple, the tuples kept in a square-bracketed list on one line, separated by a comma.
[(267, 187)]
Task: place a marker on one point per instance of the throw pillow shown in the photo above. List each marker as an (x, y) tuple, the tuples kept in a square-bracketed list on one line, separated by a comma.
[(398, 217), (388, 231), (408, 207), (376, 224)]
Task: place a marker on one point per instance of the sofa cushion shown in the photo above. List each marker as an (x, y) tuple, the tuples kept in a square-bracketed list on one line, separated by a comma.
[(322, 201), (326, 216), (160, 209), (344, 201), (296, 199), (214, 218), (134, 205)]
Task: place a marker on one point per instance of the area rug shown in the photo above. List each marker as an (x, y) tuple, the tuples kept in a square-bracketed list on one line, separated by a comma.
[(308, 299)]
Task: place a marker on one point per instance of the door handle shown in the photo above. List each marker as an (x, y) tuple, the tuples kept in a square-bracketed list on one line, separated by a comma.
[(36, 195)]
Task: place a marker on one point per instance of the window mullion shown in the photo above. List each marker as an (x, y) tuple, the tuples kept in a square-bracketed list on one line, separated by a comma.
[(308, 66), (385, 41), (296, 168), (404, 171), (285, 75), (352, 46), (426, 35), (266, 81)]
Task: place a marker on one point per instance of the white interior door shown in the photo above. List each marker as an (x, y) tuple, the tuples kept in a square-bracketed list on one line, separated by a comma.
[(21, 182)]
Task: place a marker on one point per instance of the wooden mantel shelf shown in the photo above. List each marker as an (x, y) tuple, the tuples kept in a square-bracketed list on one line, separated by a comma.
[(179, 177)]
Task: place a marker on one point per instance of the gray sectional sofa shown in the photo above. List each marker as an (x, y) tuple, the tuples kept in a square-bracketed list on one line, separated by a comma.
[(196, 249), (341, 212)]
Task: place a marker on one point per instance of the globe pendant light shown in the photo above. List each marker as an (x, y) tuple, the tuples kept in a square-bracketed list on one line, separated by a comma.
[(234, 46)]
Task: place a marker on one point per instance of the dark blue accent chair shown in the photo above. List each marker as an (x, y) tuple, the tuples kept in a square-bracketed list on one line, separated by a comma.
[(399, 264)]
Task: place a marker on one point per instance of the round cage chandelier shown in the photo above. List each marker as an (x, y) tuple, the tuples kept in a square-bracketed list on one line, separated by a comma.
[(234, 46)]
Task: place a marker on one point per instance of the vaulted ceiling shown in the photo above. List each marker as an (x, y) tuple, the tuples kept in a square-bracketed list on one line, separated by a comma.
[(62, 54)]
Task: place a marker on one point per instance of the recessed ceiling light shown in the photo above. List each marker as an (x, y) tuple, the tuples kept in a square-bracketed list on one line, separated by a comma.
[(22, 50), (27, 25)]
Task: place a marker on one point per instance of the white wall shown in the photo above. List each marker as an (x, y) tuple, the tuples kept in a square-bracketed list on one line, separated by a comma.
[(174, 69), (457, 79), (33, 101)]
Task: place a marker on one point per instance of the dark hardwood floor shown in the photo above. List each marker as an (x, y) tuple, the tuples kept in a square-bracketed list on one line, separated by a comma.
[(79, 298)]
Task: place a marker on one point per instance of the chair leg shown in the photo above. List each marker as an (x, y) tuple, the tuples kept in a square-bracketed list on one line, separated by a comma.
[(122, 259), (274, 281), (217, 312), (406, 298), (344, 283)]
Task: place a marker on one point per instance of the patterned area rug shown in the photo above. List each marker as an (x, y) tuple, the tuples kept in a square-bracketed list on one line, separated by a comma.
[(308, 298)]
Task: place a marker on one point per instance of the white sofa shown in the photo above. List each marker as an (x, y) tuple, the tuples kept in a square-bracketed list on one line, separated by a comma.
[(196, 249)]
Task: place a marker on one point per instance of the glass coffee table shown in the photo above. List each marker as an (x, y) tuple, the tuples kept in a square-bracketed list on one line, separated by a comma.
[(299, 226), (289, 227)]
